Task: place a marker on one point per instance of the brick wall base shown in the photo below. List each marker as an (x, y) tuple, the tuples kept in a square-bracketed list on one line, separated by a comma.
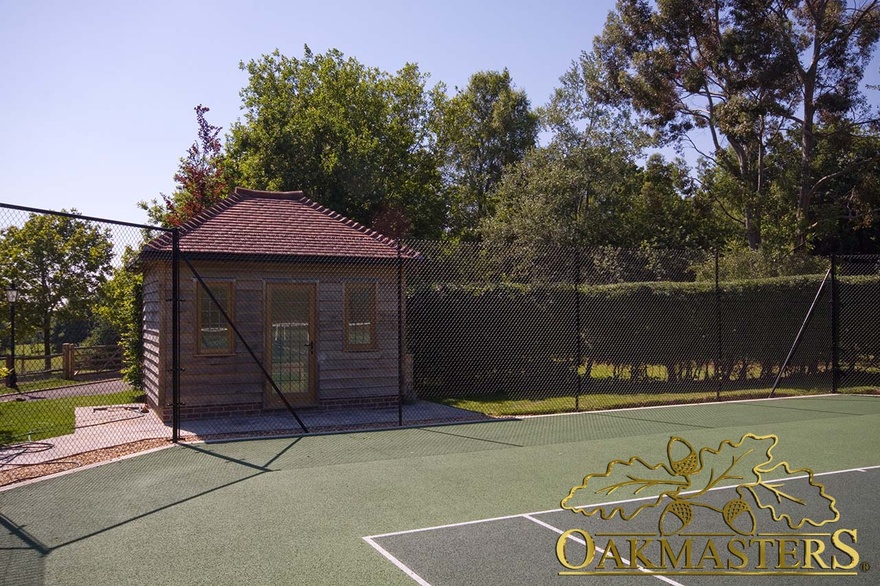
[(252, 409)]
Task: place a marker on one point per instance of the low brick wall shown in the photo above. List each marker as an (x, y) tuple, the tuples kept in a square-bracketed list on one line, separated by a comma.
[(252, 409)]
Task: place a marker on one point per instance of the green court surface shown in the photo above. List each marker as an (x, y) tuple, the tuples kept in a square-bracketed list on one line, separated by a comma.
[(463, 504)]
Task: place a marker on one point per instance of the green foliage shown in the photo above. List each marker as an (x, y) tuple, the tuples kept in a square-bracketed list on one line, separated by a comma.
[(753, 75), (58, 263), (119, 310), (743, 263), (354, 138), (655, 336), (480, 131)]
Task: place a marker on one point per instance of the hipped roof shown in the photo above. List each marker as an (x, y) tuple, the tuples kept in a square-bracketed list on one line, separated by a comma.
[(263, 224)]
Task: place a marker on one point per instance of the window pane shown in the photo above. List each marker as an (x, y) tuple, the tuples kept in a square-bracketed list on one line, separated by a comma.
[(214, 328), (360, 309)]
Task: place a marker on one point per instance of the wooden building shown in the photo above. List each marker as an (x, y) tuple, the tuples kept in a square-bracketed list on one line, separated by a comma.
[(312, 295)]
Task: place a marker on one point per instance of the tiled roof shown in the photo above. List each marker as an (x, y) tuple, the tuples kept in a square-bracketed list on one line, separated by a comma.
[(268, 223)]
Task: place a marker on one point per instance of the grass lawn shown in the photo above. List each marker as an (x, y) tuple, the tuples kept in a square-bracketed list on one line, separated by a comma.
[(47, 418), (501, 405)]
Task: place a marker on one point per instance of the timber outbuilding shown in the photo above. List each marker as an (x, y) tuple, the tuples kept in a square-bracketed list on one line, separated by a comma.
[(279, 296)]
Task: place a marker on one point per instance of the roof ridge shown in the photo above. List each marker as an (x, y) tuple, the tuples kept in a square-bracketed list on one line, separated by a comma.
[(240, 194), (386, 240)]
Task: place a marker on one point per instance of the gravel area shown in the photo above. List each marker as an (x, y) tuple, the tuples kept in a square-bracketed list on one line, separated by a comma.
[(28, 472)]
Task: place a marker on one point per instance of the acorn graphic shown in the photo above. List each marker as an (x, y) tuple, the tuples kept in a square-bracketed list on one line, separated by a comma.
[(738, 515), (689, 464), (676, 516)]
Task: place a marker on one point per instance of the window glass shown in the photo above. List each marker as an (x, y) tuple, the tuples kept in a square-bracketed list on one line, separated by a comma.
[(215, 335), (360, 315)]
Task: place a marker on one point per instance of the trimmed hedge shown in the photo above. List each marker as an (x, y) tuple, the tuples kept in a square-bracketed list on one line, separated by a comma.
[(520, 339)]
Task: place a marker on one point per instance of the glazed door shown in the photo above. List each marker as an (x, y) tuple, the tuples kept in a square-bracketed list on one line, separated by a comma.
[(290, 326)]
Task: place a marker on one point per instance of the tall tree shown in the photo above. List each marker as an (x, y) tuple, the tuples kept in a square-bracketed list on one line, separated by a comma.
[(829, 43), (481, 129), (692, 65), (200, 179), (354, 138), (588, 187), (58, 264), (743, 71)]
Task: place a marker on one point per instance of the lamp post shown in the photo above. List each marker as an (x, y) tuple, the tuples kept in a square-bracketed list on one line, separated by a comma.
[(12, 297)]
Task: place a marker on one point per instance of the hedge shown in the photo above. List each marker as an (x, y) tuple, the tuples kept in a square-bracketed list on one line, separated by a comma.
[(522, 340)]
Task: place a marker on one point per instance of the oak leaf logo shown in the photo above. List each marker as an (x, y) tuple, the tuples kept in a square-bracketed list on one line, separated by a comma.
[(688, 474)]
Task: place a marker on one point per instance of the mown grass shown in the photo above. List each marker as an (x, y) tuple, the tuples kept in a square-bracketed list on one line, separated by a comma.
[(45, 418), (500, 405)]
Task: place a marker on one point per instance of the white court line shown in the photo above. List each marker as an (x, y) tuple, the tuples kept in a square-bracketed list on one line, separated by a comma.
[(397, 562), (370, 539), (602, 551), (633, 500), (674, 406)]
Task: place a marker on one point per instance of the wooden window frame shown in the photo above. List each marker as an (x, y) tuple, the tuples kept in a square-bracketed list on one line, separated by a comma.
[(373, 344), (201, 298)]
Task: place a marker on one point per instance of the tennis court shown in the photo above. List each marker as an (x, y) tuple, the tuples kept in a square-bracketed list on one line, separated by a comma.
[(457, 504)]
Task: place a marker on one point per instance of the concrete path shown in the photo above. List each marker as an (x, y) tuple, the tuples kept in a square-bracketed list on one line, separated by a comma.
[(104, 387)]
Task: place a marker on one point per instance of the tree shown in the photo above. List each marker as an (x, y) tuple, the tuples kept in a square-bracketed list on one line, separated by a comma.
[(745, 72), (119, 305), (845, 211), (481, 130), (588, 188), (58, 263), (200, 178), (354, 138), (829, 42)]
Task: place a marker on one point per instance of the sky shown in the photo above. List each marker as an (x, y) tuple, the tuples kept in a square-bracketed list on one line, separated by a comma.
[(97, 98)]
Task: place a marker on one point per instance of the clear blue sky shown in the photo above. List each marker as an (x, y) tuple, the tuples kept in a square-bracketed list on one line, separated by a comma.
[(97, 98)]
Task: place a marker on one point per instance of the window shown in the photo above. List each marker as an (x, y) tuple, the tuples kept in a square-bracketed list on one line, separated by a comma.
[(360, 316), (214, 332)]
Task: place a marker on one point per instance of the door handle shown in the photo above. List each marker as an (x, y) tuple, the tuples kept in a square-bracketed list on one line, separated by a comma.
[(311, 346)]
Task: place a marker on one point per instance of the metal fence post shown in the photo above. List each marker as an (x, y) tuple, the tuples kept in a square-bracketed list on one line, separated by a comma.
[(835, 328), (400, 382), (175, 335), (577, 329), (718, 329)]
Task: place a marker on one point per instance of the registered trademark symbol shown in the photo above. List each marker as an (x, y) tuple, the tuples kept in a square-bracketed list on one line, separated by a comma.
[(865, 566)]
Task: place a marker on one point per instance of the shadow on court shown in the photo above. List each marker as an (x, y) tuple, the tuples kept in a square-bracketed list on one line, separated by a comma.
[(295, 510), (30, 527)]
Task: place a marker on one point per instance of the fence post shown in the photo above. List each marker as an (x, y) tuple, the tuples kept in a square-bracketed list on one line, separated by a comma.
[(719, 356), (835, 328), (579, 358), (400, 381), (68, 367), (175, 335)]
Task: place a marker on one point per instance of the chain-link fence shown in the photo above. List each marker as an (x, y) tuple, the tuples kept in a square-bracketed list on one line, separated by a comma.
[(855, 328), (516, 330), (70, 390), (120, 336)]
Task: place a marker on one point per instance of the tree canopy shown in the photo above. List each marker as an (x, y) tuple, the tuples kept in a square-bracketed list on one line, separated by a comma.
[(748, 73), (768, 93), (58, 264), (481, 130), (354, 138)]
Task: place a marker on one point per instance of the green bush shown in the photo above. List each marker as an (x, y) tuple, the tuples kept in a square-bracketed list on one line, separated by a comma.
[(523, 339)]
